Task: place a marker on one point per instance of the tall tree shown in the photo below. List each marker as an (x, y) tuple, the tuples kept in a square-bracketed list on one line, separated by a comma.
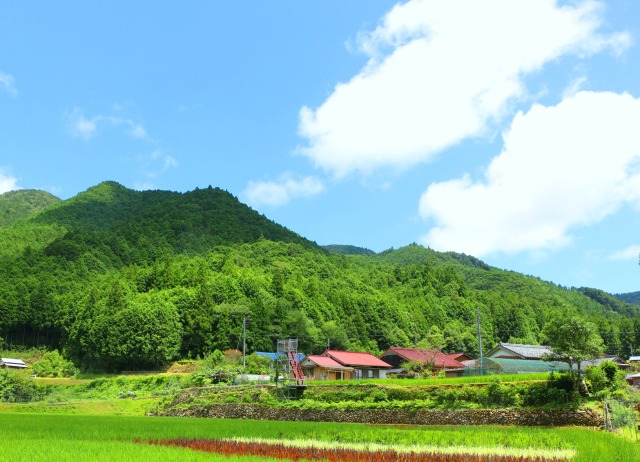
[(572, 340)]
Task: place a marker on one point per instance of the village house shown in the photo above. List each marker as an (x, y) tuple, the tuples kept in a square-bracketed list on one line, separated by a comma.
[(324, 368), (364, 365), (634, 360), (613, 358), (11, 363), (527, 355), (519, 351), (438, 361), (633, 380)]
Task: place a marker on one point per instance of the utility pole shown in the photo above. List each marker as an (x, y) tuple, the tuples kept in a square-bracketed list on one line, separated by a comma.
[(328, 344), (479, 337), (244, 343)]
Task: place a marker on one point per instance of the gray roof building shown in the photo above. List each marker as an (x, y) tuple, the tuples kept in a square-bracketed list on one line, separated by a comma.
[(518, 351), (12, 363)]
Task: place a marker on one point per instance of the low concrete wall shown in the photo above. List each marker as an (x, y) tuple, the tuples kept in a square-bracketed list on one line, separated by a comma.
[(522, 417)]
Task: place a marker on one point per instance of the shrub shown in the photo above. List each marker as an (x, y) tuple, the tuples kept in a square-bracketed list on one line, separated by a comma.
[(16, 386), (53, 364)]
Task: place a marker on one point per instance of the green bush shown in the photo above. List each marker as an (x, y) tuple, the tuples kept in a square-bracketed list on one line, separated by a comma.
[(53, 364), (16, 386)]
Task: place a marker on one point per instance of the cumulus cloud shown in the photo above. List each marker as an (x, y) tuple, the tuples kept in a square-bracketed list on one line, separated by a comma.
[(561, 167), (7, 182), (8, 83), (277, 193), (439, 71), (630, 253), (87, 127)]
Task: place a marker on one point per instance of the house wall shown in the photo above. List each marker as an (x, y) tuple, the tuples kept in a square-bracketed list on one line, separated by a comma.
[(370, 373), (321, 373), (634, 381)]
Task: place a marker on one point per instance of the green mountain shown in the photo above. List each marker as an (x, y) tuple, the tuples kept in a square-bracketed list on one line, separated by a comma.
[(632, 297), (348, 249), (122, 279), (15, 205)]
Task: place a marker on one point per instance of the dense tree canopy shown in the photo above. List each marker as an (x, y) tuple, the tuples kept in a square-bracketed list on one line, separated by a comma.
[(119, 279)]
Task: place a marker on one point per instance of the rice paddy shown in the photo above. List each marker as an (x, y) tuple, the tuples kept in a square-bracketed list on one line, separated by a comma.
[(33, 437)]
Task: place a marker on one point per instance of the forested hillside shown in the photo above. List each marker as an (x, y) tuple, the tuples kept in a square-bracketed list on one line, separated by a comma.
[(121, 279), (633, 297), (15, 205)]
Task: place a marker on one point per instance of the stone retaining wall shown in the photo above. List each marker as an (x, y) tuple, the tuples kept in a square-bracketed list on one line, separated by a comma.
[(522, 417)]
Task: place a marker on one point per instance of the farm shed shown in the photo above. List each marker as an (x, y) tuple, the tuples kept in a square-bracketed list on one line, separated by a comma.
[(12, 363), (396, 356)]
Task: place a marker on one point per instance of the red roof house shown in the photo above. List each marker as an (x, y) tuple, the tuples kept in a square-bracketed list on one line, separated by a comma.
[(396, 356), (325, 368), (365, 365)]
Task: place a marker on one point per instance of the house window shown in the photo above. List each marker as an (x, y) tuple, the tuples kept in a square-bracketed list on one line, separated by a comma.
[(358, 373), (370, 373)]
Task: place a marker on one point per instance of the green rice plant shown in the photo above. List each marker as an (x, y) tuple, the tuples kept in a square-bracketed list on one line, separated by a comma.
[(32, 437)]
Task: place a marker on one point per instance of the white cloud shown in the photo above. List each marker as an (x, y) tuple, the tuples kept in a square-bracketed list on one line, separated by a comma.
[(8, 82), (281, 192), (81, 126), (630, 253), (156, 163), (87, 127), (440, 71), (7, 182), (574, 87), (561, 167)]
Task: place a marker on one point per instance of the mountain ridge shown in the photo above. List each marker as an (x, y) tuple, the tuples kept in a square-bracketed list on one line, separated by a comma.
[(102, 275)]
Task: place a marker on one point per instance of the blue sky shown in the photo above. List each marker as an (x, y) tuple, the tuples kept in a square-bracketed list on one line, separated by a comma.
[(505, 130)]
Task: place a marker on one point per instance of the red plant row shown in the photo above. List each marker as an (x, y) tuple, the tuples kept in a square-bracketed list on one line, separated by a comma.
[(280, 451)]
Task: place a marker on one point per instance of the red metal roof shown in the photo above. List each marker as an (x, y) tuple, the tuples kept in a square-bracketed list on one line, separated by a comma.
[(438, 358), (355, 359), (325, 361), (456, 356)]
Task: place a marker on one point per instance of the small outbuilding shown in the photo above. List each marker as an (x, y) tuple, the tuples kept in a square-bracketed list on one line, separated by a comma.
[(11, 363)]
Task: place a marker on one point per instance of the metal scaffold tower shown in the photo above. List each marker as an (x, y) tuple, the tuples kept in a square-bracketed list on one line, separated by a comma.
[(291, 380)]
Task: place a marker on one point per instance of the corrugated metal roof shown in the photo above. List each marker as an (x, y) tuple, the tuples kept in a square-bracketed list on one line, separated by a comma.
[(438, 358), (526, 351), (356, 359), (12, 362)]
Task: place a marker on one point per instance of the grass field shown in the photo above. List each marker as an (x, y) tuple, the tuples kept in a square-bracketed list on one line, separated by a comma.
[(34, 437)]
